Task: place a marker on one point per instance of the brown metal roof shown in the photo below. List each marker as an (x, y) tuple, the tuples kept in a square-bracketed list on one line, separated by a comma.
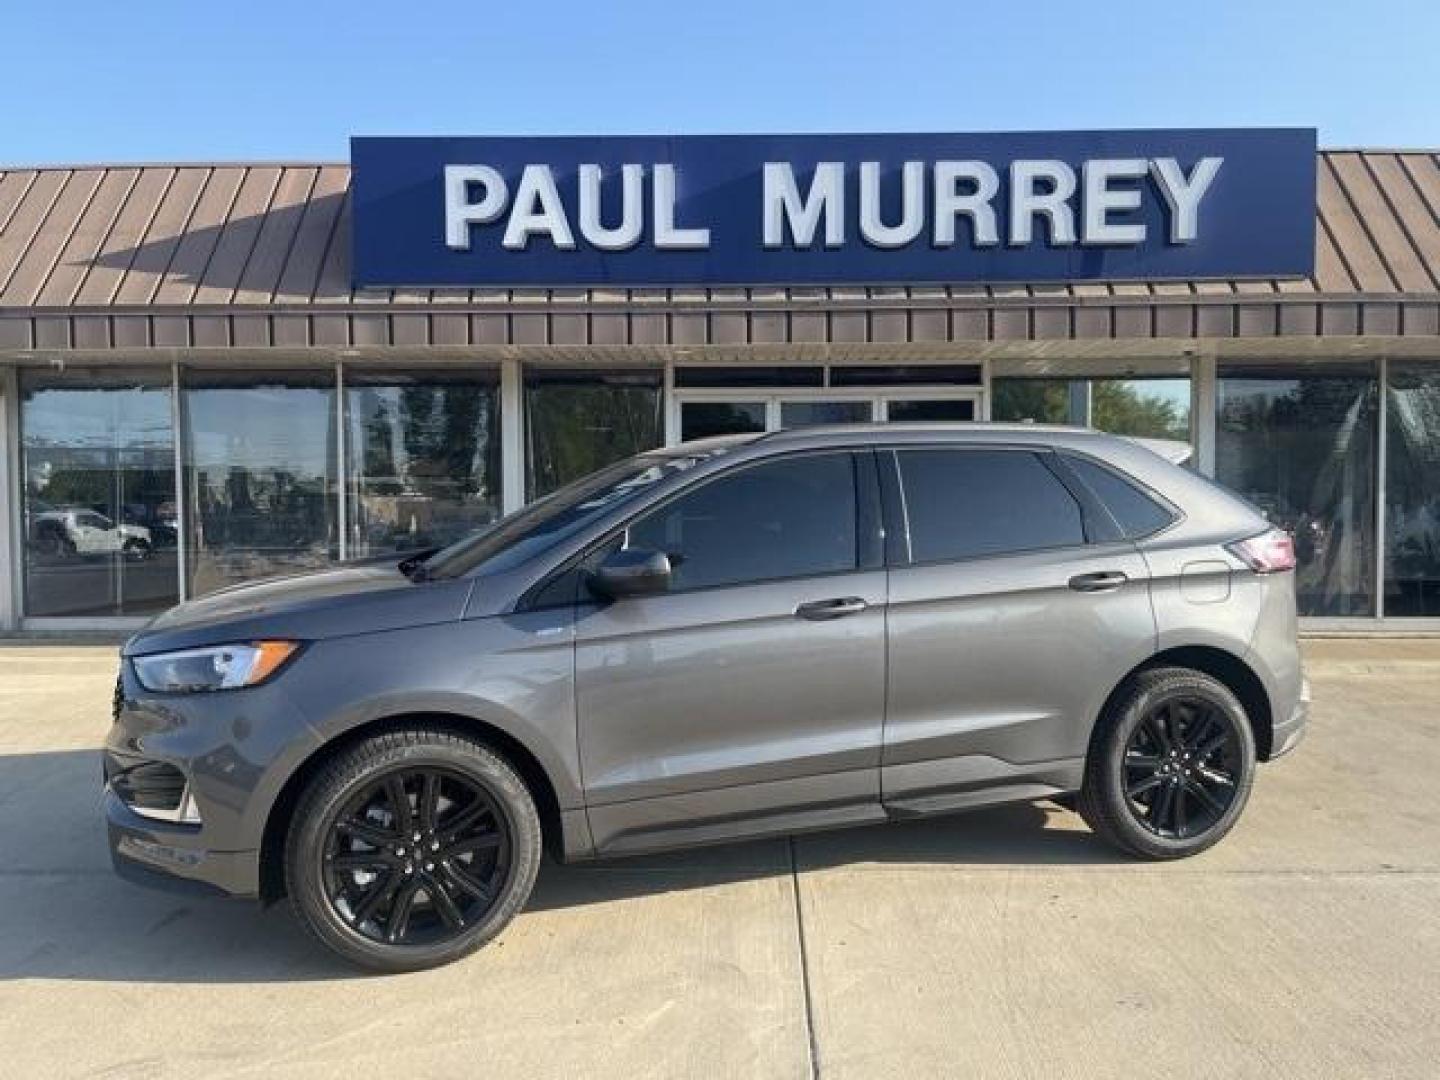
[(231, 255)]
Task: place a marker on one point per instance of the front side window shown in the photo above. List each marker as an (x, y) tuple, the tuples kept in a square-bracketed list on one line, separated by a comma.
[(787, 518), (965, 504)]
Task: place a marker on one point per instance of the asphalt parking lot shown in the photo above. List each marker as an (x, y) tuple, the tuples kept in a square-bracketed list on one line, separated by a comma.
[(1005, 943)]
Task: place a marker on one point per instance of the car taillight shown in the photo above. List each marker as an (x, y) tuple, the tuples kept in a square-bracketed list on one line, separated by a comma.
[(1269, 553)]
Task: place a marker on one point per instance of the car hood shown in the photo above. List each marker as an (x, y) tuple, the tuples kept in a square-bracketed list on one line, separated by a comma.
[(329, 603)]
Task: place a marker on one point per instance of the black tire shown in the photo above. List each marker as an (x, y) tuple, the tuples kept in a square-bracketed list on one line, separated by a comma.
[(482, 888), (1170, 765)]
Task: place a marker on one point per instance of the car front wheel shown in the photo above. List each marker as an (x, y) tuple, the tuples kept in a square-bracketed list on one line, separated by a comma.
[(412, 849), (1170, 766)]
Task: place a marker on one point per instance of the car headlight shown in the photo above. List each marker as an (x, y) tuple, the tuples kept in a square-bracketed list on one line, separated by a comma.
[(218, 667)]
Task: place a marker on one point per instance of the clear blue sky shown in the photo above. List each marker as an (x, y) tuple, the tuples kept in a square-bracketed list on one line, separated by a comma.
[(146, 80)]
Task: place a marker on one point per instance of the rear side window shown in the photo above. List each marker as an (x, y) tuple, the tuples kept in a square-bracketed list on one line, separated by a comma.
[(964, 504), (1134, 511), (791, 517)]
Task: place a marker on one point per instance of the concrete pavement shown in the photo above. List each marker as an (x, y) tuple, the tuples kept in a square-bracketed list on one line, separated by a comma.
[(1005, 943)]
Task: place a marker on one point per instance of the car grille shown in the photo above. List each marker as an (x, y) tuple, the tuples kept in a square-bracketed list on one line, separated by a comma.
[(150, 785), (117, 699)]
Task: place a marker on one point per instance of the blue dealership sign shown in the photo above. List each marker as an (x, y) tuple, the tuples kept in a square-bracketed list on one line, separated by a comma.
[(834, 209)]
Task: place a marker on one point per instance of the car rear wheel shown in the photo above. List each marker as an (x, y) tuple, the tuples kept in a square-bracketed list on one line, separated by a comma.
[(1170, 766), (412, 849)]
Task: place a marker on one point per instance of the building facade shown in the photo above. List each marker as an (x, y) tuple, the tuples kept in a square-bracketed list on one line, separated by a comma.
[(195, 392)]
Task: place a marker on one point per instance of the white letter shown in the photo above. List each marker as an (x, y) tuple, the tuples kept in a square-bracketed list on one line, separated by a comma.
[(632, 215), (782, 203), (666, 234), (537, 210), (1101, 201), (460, 212), (1026, 201), (1183, 195), (912, 205), (949, 203)]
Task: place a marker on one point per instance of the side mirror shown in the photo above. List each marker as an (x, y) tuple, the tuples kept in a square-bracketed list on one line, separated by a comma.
[(632, 572)]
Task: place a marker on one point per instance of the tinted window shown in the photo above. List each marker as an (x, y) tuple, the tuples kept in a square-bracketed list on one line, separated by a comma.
[(792, 517), (580, 421), (967, 503), (1136, 512), (921, 411)]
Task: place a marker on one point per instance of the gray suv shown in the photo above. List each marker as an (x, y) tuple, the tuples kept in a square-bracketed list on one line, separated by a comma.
[(737, 637)]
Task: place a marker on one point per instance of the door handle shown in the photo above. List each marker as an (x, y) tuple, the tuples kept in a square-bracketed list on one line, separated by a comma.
[(838, 608), (1099, 581)]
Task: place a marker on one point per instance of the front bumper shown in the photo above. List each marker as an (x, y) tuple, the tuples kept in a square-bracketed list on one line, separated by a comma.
[(232, 753), (1287, 734), (172, 856)]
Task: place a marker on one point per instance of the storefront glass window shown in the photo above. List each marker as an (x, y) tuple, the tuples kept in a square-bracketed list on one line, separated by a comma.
[(929, 411), (1147, 408), (1300, 444), (98, 471), (424, 458), (577, 421), (260, 475), (1412, 490), (702, 419), (798, 414), (1039, 401)]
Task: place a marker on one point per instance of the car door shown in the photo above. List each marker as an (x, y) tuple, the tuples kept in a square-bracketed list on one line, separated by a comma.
[(749, 697), (1014, 609)]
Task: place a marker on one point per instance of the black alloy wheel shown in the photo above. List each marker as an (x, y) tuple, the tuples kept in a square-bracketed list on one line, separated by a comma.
[(1182, 767), (416, 856), (412, 849), (1170, 765)]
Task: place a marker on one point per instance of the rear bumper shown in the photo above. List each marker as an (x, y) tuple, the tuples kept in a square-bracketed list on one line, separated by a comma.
[(172, 856), (1288, 733)]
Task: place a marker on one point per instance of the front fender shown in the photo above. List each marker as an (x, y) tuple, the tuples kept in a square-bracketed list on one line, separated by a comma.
[(515, 673)]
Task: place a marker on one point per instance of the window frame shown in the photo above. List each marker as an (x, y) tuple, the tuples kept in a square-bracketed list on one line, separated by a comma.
[(1097, 526), (869, 531)]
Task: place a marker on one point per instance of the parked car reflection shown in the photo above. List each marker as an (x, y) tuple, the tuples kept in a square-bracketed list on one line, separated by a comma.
[(78, 532)]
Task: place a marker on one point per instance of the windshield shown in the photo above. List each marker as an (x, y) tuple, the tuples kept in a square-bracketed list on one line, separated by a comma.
[(91, 520), (543, 524)]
